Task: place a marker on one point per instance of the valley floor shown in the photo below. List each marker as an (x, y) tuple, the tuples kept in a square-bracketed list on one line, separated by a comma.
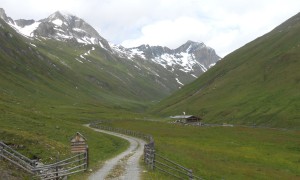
[(223, 152)]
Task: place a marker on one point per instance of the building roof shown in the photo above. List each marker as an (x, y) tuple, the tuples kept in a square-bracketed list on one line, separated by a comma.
[(78, 138), (182, 116)]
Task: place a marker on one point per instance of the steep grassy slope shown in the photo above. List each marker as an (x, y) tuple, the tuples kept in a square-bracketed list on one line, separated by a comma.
[(99, 68), (51, 73), (257, 84)]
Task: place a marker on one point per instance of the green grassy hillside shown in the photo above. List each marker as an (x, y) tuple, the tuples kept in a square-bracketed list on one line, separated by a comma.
[(49, 73), (256, 84)]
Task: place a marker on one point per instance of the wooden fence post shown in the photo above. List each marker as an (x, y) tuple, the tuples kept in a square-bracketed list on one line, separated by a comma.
[(78, 158), (191, 177), (87, 157), (153, 159), (1, 151), (145, 155), (56, 167), (149, 157)]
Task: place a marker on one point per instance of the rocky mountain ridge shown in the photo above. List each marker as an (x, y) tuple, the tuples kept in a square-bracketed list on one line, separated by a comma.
[(186, 62)]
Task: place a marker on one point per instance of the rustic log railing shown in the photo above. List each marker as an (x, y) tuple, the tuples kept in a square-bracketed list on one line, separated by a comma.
[(152, 159), (16, 158), (63, 168)]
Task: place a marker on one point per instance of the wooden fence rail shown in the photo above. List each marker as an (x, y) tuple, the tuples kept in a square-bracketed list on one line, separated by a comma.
[(153, 160), (16, 158), (59, 169)]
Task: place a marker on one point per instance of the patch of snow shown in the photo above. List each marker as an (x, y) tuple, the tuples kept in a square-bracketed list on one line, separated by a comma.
[(138, 53), (93, 40), (184, 59), (27, 30), (121, 51), (188, 49), (194, 76), (179, 82), (80, 41), (203, 68), (78, 30), (64, 36), (211, 65), (161, 62), (78, 60), (82, 56), (57, 22), (59, 30), (89, 51), (87, 40), (101, 45), (33, 45), (184, 70)]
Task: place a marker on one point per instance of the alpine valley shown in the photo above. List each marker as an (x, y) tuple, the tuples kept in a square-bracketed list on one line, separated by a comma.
[(65, 49), (58, 74)]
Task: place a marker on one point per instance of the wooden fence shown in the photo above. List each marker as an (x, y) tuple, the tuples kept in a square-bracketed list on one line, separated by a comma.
[(152, 159), (57, 170)]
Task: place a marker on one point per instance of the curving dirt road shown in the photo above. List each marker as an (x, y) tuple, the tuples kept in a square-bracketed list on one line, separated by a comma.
[(124, 166)]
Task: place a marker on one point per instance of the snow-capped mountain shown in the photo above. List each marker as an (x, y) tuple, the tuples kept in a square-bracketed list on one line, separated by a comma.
[(185, 63), (60, 26), (191, 57), (182, 64)]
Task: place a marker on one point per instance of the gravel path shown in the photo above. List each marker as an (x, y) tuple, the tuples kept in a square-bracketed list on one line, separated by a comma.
[(124, 166)]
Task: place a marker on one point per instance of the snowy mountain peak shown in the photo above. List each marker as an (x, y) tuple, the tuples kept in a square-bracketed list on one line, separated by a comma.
[(60, 15), (59, 26), (192, 58), (56, 15), (190, 47), (59, 18), (68, 27)]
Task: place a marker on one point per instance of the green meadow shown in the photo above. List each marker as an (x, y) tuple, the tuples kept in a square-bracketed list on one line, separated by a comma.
[(224, 152), (45, 134)]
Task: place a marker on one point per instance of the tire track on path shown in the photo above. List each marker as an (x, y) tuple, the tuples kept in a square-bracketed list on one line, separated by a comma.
[(127, 160)]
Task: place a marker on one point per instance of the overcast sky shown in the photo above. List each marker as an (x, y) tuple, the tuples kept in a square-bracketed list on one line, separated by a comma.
[(224, 25)]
